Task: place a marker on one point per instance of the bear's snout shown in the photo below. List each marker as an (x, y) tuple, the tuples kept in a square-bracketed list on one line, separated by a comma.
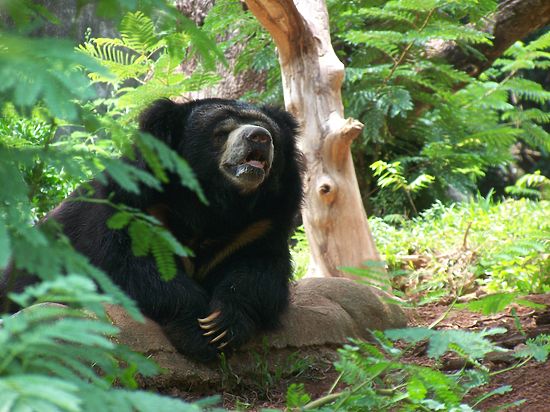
[(257, 134)]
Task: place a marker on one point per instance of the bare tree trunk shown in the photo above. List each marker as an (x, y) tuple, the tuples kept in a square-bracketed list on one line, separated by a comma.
[(334, 217)]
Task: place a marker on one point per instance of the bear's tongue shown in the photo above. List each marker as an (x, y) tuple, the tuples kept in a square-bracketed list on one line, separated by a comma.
[(256, 163)]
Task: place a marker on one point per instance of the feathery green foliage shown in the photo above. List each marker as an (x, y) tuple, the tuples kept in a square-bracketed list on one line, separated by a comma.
[(149, 57), (495, 246), (531, 185), (259, 54), (406, 97), (378, 378), (53, 137)]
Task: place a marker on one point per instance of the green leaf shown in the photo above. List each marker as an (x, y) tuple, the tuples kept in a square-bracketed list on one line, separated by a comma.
[(138, 32), (164, 258), (140, 234), (416, 389), (174, 163), (36, 393), (296, 396), (498, 391), (119, 220), (473, 344), (491, 303), (5, 245)]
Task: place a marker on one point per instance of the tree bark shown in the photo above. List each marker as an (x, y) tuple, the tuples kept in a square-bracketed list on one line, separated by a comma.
[(335, 220), (514, 20)]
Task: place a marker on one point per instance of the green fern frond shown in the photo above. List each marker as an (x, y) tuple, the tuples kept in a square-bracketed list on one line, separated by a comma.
[(119, 60), (385, 41), (533, 180), (502, 136), (385, 15), (138, 33), (129, 177), (523, 192), (527, 89), (441, 30), (535, 136), (413, 5), (523, 115), (174, 163), (443, 386), (37, 392), (152, 161), (140, 234), (541, 43), (119, 220), (164, 257), (162, 85), (175, 246)]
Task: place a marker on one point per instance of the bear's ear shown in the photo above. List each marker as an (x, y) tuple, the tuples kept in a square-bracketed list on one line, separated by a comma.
[(164, 119), (284, 119)]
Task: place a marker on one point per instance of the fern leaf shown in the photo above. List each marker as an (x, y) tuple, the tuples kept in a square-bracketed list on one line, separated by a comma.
[(140, 234), (385, 41), (121, 62), (175, 246), (498, 136), (5, 244), (36, 393), (533, 114), (138, 32), (414, 5), (173, 162), (152, 161), (385, 15), (535, 136), (421, 182), (490, 304), (527, 89), (164, 258), (128, 177), (119, 220), (541, 43)]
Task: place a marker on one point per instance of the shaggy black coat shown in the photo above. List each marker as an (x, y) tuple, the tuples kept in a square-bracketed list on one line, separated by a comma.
[(240, 239)]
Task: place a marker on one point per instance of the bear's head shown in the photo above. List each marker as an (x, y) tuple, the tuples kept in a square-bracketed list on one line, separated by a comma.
[(226, 140)]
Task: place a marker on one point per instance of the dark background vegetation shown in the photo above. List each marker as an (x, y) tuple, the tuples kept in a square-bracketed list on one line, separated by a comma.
[(453, 165)]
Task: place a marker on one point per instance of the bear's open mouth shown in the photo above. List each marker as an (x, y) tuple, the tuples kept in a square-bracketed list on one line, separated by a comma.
[(255, 159)]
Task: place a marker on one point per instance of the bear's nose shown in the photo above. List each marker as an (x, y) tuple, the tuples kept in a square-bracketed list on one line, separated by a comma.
[(258, 134)]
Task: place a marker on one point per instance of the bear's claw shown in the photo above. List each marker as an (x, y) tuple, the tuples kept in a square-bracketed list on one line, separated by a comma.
[(207, 320), (219, 337), (211, 327)]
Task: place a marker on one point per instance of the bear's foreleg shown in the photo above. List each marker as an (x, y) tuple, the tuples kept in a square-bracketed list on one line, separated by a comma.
[(250, 297)]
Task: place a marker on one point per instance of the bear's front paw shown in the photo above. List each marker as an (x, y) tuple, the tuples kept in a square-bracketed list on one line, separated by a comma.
[(214, 330), (188, 340), (227, 328)]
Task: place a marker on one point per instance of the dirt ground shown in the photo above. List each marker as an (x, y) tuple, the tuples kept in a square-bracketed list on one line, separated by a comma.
[(530, 383)]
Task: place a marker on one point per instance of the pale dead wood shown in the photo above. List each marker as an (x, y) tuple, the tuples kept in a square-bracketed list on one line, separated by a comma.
[(334, 217)]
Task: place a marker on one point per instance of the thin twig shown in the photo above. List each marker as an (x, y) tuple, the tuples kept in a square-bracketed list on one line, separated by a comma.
[(407, 48), (444, 315), (517, 365), (464, 242)]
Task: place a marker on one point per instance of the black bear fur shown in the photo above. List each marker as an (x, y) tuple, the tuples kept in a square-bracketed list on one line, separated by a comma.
[(238, 282)]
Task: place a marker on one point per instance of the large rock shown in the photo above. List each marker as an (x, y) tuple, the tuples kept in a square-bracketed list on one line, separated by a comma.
[(323, 314)]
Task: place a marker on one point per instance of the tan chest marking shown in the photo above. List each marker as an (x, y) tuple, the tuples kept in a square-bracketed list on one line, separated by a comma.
[(248, 235), (251, 233)]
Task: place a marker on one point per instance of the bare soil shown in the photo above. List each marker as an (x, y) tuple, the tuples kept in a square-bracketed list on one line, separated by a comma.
[(530, 383)]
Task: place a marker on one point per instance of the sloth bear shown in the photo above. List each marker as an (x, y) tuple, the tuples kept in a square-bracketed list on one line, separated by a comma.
[(236, 284)]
